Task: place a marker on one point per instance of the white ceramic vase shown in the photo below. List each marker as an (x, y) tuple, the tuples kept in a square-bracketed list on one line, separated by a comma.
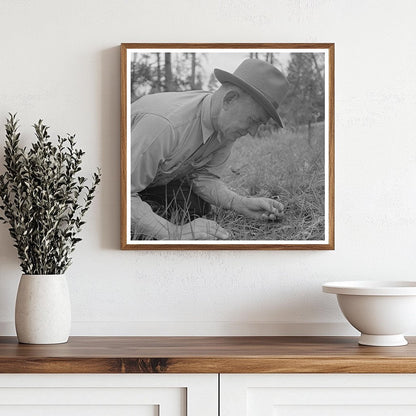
[(43, 309)]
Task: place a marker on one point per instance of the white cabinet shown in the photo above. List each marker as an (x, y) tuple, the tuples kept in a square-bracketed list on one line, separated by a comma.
[(197, 394), (109, 395), (318, 394)]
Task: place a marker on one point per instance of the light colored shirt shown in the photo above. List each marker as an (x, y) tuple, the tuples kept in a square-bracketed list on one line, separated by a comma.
[(172, 137)]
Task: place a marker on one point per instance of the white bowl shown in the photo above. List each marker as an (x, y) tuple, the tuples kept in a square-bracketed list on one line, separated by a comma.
[(381, 311)]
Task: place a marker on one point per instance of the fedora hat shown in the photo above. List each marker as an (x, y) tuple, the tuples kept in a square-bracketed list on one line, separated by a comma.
[(262, 81)]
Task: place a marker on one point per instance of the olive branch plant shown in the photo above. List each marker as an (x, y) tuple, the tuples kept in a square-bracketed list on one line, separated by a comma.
[(44, 198)]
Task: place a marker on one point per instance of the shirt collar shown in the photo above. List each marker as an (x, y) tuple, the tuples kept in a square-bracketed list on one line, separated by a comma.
[(207, 127)]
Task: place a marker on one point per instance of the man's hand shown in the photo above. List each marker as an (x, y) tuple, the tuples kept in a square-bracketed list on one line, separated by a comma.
[(200, 229), (259, 208)]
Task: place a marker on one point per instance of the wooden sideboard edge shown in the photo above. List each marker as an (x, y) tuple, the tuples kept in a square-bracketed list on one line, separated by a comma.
[(186, 365)]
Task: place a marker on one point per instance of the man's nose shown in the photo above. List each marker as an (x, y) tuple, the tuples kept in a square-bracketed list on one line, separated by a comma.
[(253, 129)]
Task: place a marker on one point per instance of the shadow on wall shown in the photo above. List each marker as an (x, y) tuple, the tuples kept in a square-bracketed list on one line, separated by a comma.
[(287, 315), (109, 97), (9, 278)]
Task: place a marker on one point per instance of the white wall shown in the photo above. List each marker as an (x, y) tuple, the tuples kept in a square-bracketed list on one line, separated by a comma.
[(60, 62)]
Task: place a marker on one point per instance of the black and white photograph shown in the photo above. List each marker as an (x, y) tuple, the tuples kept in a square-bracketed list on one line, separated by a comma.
[(227, 147)]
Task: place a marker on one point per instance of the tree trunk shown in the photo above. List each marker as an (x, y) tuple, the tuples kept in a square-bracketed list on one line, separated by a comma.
[(193, 56), (168, 73), (159, 76), (318, 70), (310, 133)]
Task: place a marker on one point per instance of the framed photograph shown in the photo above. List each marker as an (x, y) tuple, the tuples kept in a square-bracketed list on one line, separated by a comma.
[(227, 146)]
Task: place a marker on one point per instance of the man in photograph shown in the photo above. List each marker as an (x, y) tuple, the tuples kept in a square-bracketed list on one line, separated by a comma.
[(180, 143)]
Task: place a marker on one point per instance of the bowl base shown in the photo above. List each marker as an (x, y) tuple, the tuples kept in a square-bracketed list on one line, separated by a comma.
[(382, 340)]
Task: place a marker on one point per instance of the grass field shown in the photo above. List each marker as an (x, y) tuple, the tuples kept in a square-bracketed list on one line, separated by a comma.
[(287, 166)]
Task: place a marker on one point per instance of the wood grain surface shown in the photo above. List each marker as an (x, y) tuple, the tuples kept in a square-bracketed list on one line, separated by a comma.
[(206, 355)]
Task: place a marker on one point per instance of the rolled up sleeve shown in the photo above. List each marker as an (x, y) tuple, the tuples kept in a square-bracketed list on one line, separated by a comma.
[(152, 138), (206, 180)]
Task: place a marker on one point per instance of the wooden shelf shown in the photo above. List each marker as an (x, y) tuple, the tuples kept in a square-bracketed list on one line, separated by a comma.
[(206, 355)]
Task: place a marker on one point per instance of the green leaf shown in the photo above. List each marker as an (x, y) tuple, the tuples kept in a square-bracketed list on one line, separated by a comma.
[(44, 198)]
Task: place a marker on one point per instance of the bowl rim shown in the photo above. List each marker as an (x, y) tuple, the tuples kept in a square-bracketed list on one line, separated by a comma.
[(371, 288)]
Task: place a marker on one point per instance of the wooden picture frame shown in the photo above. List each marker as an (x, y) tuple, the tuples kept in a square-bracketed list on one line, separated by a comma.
[(138, 55)]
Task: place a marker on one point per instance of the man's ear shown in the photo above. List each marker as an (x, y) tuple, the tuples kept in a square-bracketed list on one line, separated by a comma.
[(229, 99)]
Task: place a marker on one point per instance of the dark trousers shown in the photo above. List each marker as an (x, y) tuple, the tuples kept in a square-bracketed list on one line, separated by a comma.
[(175, 202)]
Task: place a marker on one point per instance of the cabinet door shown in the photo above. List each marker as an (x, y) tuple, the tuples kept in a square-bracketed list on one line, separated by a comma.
[(318, 394), (108, 395)]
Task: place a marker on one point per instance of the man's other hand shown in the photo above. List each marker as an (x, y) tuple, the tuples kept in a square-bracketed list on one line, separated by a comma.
[(201, 229)]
